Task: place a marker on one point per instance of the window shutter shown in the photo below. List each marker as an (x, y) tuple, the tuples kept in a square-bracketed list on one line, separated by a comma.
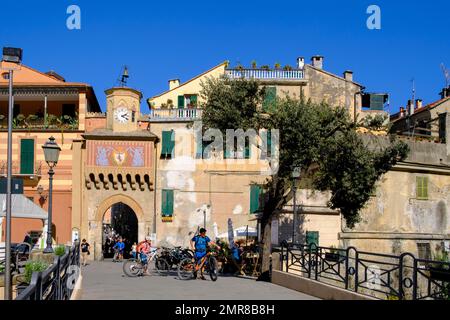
[(269, 98), (194, 101), (422, 188), (27, 156), (255, 192), (312, 237), (180, 101), (167, 202), (168, 145), (247, 150)]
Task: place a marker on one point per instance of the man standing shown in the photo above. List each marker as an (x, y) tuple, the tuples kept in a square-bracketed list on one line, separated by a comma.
[(199, 244), (84, 252), (120, 247)]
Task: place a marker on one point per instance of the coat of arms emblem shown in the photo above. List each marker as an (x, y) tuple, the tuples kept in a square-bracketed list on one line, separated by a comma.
[(119, 157)]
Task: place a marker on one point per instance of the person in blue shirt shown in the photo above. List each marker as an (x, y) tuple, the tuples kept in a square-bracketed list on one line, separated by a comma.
[(199, 244), (120, 246)]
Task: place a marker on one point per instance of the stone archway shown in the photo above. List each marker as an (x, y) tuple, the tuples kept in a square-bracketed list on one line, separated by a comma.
[(101, 210)]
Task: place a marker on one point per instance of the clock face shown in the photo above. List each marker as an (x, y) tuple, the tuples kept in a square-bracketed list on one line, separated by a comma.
[(122, 115)]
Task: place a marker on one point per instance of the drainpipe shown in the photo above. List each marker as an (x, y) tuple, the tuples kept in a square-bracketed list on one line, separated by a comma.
[(155, 179), (45, 111)]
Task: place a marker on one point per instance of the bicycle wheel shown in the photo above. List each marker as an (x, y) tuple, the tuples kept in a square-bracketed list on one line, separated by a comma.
[(213, 268), (186, 269), (132, 268), (162, 266)]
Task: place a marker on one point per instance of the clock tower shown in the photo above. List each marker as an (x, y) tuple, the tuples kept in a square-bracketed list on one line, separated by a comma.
[(123, 109)]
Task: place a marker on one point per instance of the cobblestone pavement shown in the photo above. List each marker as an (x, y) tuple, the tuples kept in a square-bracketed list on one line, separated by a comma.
[(105, 280)]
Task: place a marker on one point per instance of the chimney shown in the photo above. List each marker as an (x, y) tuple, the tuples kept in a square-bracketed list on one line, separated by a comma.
[(410, 107), (419, 103), (402, 112), (445, 93), (300, 62), (317, 62), (348, 75), (174, 83)]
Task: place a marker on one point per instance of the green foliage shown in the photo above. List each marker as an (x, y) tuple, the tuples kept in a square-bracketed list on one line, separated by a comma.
[(60, 250), (34, 266), (254, 64), (319, 138), (375, 122)]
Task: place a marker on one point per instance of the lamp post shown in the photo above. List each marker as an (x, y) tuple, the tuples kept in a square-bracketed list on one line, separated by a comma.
[(51, 154), (12, 55), (295, 175)]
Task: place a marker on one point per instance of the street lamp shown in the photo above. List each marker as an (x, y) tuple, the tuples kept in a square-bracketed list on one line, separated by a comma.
[(11, 55), (51, 154), (295, 176)]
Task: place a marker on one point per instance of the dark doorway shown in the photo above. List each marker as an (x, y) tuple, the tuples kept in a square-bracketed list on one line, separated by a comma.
[(119, 221)]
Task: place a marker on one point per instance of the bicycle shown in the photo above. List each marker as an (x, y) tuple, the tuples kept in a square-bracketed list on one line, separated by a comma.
[(134, 267), (186, 268), (175, 255)]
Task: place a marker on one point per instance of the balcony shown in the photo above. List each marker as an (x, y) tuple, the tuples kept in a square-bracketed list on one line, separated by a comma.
[(265, 74), (37, 123), (174, 115), (16, 172)]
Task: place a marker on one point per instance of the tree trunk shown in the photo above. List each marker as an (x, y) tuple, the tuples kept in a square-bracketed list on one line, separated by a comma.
[(266, 251)]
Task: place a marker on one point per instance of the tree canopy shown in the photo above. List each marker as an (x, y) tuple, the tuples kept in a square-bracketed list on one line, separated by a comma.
[(319, 138)]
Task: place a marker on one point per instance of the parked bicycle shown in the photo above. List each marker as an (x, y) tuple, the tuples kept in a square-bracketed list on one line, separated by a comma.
[(135, 267), (187, 267), (175, 255)]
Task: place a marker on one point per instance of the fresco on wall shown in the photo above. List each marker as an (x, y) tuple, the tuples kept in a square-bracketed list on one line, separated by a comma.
[(119, 154)]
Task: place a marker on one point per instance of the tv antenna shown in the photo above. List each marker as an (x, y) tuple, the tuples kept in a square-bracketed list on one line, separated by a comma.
[(446, 75), (123, 78)]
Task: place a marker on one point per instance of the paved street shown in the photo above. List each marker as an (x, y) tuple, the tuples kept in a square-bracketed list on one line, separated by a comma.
[(105, 280)]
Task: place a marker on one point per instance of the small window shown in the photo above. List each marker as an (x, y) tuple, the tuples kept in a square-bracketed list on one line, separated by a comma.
[(133, 116), (422, 188)]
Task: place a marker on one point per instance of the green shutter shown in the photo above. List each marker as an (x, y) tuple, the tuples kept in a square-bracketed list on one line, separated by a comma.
[(312, 237), (422, 188), (269, 98), (194, 100), (168, 145), (27, 156), (247, 150), (255, 193), (167, 202), (180, 102)]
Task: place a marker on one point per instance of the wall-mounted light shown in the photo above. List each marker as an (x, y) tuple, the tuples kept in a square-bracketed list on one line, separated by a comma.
[(40, 191)]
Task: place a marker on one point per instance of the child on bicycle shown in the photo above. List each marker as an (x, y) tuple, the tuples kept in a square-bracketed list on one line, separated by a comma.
[(199, 244), (120, 247)]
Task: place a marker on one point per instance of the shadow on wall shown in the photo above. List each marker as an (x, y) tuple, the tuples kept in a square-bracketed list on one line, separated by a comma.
[(285, 229)]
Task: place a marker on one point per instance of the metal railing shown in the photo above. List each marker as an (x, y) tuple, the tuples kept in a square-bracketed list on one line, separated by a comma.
[(16, 171), (263, 74), (182, 114), (382, 276), (58, 281)]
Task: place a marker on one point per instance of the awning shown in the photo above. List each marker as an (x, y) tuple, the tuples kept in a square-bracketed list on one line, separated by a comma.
[(22, 207)]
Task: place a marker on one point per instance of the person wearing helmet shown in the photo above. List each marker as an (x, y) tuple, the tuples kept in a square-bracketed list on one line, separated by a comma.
[(143, 249), (199, 244)]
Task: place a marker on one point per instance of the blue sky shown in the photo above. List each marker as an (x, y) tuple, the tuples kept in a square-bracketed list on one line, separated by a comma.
[(160, 40)]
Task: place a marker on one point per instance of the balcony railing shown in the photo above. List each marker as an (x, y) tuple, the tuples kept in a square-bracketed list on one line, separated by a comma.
[(33, 122), (184, 114), (263, 74), (37, 171)]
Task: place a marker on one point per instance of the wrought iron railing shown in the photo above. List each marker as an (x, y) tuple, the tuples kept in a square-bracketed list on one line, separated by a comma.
[(383, 276), (182, 114), (263, 74), (58, 281), (37, 170)]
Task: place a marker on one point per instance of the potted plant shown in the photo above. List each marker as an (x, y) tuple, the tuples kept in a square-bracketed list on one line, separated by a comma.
[(60, 250), (254, 64), (287, 68), (24, 279), (440, 270), (277, 66), (333, 255), (265, 67)]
